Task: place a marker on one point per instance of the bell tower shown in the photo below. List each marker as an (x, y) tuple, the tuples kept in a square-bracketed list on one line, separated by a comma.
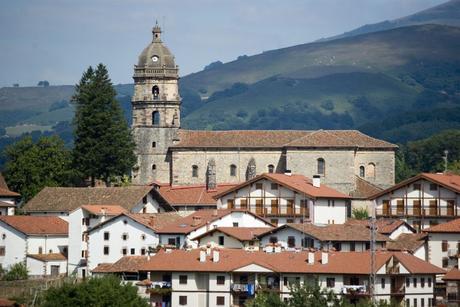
[(156, 111)]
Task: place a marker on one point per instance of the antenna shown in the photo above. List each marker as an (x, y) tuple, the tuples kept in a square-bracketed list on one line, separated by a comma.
[(446, 153)]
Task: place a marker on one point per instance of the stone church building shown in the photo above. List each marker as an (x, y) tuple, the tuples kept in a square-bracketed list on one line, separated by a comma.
[(168, 154)]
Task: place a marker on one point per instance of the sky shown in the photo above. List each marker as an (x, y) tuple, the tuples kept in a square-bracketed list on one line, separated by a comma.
[(57, 40)]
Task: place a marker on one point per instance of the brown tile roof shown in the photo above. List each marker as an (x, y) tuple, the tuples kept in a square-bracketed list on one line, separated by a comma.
[(451, 226), (48, 257), (298, 183), (383, 225), (59, 199), (364, 189), (104, 209), (407, 242), (125, 264), (199, 219), (453, 275), (449, 181), (154, 221), (37, 225), (278, 139), (239, 233), (334, 232), (190, 195), (283, 262), (4, 190)]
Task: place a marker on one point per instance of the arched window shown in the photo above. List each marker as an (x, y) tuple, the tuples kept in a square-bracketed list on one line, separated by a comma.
[(271, 169), (154, 167), (233, 170), (362, 171), (321, 169), (155, 118), (370, 172), (155, 92), (194, 171)]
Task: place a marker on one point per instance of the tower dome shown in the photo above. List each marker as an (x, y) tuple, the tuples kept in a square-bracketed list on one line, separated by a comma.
[(156, 54)]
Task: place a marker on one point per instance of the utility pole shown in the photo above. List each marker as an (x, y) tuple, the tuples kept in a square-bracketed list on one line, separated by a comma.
[(446, 153), (372, 243)]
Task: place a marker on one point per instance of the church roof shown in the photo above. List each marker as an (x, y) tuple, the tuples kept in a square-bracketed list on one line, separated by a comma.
[(278, 139), (164, 57)]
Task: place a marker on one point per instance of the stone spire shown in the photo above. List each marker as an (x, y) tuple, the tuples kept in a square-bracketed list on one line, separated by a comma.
[(211, 180), (156, 31), (251, 170)]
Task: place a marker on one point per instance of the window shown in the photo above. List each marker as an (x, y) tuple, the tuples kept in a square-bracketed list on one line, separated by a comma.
[(125, 222), (194, 171), (220, 300), (235, 224), (382, 283), (352, 246), (183, 279), (106, 250), (273, 240), (407, 302), (171, 241), (221, 240), (124, 236), (133, 251), (362, 171), (417, 187), (422, 302), (271, 169), (154, 167), (154, 144), (433, 187), (291, 241), (230, 203), (414, 282), (259, 186), (106, 236), (422, 282), (143, 251), (331, 203), (337, 246), (274, 186), (220, 280), (308, 242), (370, 171), (429, 282), (274, 221), (289, 221), (233, 170), (124, 251), (407, 282), (182, 300), (155, 118), (143, 237), (330, 282), (321, 166), (2, 250), (415, 302), (444, 245), (144, 200), (445, 262), (368, 246), (155, 91), (40, 250)]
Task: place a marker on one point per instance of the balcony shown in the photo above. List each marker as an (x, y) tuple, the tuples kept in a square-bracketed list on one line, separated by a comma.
[(398, 290), (243, 288), (452, 253), (442, 211), (354, 290)]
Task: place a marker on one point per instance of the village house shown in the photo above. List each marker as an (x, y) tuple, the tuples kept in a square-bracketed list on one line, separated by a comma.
[(39, 241), (125, 234), (8, 199), (340, 237), (182, 232), (229, 277), (232, 237), (288, 198), (423, 201), (413, 243), (392, 228), (452, 280)]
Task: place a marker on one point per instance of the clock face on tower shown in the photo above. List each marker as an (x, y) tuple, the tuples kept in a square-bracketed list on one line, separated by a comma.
[(155, 58)]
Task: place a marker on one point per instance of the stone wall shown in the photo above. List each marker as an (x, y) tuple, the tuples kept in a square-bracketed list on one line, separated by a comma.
[(384, 162)]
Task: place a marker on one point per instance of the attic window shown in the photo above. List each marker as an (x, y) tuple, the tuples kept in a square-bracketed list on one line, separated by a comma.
[(125, 222), (271, 168)]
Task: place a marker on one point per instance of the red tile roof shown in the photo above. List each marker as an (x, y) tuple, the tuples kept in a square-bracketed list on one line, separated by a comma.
[(48, 257), (104, 209), (450, 227), (125, 264), (4, 190), (449, 181), (453, 275), (278, 139), (333, 232), (37, 225), (239, 233), (283, 262), (190, 195), (298, 183), (199, 219)]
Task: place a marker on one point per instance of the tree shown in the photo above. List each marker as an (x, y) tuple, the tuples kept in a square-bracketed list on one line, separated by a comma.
[(96, 292), (32, 166), (360, 213), (104, 146), (266, 299), (17, 271), (43, 83)]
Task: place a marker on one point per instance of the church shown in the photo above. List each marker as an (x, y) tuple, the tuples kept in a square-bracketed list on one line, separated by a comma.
[(346, 160)]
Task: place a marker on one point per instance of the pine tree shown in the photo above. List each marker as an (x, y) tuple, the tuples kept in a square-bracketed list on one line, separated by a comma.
[(104, 146)]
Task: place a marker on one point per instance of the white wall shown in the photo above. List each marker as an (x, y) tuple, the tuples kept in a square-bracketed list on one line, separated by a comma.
[(40, 268), (435, 253), (14, 243), (328, 211)]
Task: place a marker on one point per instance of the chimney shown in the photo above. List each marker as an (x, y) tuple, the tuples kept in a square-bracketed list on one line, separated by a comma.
[(324, 257), (215, 255), (196, 221), (202, 256), (214, 212), (316, 181), (311, 258), (288, 172)]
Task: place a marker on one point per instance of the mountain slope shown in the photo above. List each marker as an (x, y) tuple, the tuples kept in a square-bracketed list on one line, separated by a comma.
[(444, 14)]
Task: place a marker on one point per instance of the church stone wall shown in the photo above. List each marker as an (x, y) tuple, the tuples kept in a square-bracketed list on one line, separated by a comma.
[(384, 161), (183, 160), (339, 171)]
